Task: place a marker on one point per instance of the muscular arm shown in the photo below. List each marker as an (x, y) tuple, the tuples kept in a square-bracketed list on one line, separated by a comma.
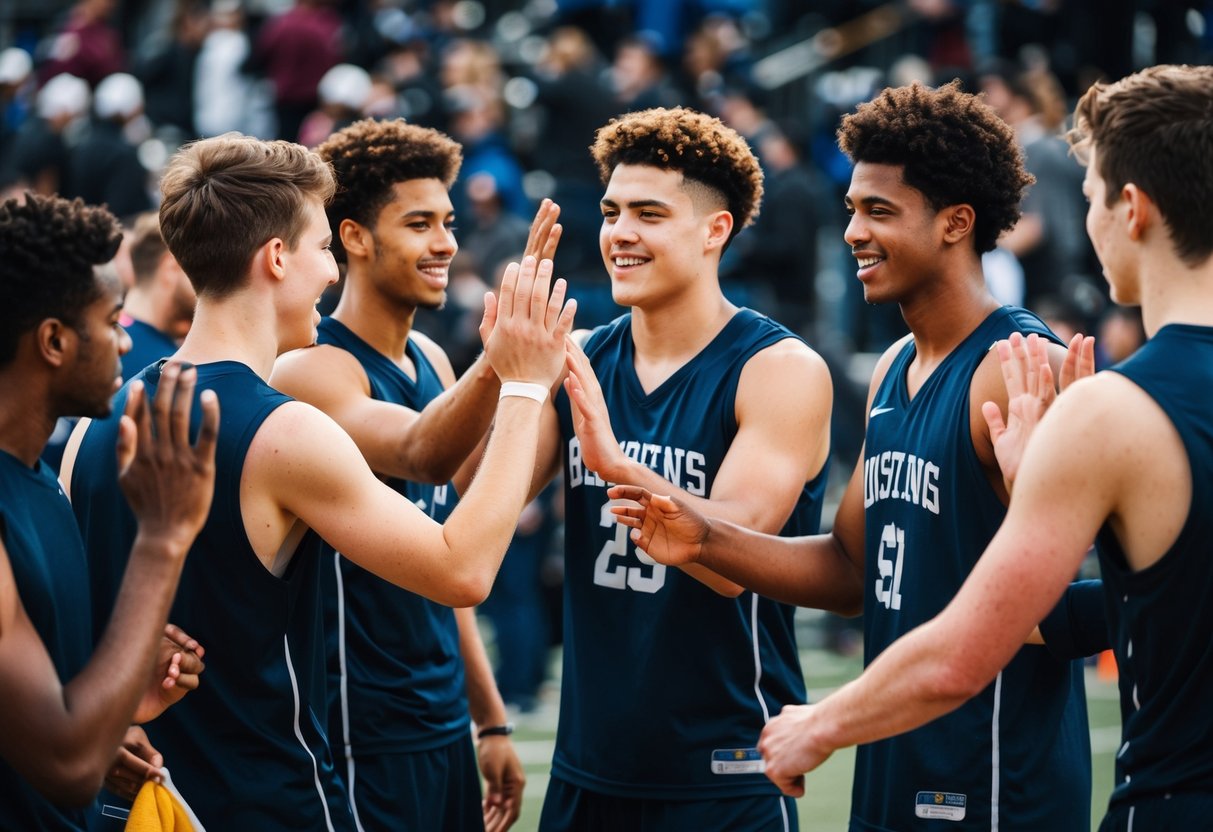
[(426, 446)]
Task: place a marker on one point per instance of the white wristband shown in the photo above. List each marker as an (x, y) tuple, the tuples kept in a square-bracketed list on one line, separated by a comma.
[(525, 389)]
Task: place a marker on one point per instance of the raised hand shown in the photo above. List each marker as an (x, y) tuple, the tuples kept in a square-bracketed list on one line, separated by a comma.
[(168, 482), (544, 237), (592, 422), (178, 667), (662, 527), (787, 749), (524, 330), (1030, 392)]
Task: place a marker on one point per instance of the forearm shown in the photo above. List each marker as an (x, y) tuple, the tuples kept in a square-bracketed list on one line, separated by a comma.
[(100, 701), (484, 700), (809, 571), (448, 430), (480, 528)]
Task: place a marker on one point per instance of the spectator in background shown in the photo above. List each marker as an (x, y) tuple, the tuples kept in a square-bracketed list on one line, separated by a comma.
[(225, 97), (640, 77), (160, 305), (86, 46), (39, 154), (167, 70), (1120, 335), (294, 50), (105, 167), (16, 67), (478, 122), (1049, 239), (344, 92)]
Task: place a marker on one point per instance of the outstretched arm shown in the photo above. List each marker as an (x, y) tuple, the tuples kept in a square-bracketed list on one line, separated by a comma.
[(60, 737)]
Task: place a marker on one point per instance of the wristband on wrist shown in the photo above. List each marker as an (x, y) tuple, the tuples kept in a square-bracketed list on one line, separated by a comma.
[(495, 731), (524, 389)]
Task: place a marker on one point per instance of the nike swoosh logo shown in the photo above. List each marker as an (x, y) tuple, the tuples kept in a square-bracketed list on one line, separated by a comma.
[(876, 411)]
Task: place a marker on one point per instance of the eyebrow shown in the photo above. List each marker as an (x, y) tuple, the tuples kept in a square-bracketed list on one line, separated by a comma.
[(869, 201), (425, 214), (638, 203)]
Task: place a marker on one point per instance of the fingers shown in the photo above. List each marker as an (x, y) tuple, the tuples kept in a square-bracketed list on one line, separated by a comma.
[(183, 639), (544, 235), (490, 317), (555, 304), (629, 492), (552, 243), (208, 438), (523, 290), (181, 404), (993, 420), (505, 297), (162, 405), (1080, 360), (540, 290)]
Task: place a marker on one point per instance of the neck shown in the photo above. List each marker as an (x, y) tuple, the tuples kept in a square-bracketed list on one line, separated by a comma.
[(1176, 294), (944, 311), (233, 329), (26, 417), (383, 323), (143, 306), (680, 327)]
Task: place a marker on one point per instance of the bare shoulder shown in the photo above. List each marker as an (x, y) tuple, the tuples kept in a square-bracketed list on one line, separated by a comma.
[(787, 382), (1108, 409), (298, 432), (317, 370), (787, 360)]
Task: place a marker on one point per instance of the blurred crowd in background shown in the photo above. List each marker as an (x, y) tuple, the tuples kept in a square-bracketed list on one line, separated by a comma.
[(96, 95)]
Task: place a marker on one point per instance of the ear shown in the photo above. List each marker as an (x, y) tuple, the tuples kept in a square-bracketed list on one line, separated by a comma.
[(55, 341), (1139, 204), (959, 221), (272, 258), (720, 226), (355, 238)]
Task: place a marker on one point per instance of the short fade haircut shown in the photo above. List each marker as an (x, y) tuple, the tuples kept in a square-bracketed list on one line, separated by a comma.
[(147, 247), (952, 148), (1155, 129), (224, 198), (702, 148), (50, 247), (370, 157)]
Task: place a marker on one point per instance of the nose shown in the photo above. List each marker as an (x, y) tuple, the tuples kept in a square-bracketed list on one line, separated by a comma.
[(856, 231), (445, 242), (124, 341), (622, 230)]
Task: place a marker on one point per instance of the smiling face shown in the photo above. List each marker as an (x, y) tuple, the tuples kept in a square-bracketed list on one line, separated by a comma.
[(411, 245), (655, 239), (894, 233), (310, 268)]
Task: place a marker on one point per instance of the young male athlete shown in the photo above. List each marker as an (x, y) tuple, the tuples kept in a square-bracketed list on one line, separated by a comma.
[(669, 675), (246, 220), (160, 306), (398, 711), (63, 712), (1126, 455), (937, 177)]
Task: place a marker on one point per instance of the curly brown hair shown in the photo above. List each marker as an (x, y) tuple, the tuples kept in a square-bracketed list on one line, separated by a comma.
[(49, 247), (698, 146), (369, 157), (1155, 129), (952, 147)]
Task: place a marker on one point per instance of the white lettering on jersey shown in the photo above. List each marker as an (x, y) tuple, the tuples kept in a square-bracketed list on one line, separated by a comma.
[(897, 475)]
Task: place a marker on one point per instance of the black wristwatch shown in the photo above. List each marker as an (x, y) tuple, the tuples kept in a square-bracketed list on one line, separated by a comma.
[(495, 731)]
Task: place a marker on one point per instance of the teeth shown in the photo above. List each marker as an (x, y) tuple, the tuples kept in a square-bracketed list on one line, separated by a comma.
[(628, 261), (864, 262)]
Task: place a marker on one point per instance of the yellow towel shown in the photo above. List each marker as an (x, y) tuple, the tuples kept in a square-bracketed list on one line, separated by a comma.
[(160, 808)]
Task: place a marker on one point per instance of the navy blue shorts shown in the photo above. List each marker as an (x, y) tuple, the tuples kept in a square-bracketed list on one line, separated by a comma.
[(421, 790), (1175, 813), (567, 808)]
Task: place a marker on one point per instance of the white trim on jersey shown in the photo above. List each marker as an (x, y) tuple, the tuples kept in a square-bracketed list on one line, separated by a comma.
[(290, 669), (345, 691), (766, 715), (995, 750)]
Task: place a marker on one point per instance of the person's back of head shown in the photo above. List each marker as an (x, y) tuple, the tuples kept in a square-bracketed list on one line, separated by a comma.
[(952, 148), (224, 198), (50, 247), (717, 166), (370, 157), (147, 248), (1154, 129)]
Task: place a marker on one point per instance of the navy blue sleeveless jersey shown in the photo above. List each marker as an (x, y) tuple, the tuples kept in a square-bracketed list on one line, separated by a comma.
[(667, 684), (148, 345), (248, 748), (1017, 756), (395, 670), (1162, 618), (51, 576)]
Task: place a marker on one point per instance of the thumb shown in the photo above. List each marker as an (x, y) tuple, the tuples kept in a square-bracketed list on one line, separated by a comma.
[(993, 420), (125, 446)]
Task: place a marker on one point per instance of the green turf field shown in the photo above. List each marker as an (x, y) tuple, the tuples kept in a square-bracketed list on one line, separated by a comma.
[(827, 801)]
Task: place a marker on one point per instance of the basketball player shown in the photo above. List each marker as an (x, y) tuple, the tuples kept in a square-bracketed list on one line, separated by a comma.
[(937, 178), (669, 675), (397, 661), (62, 712), (246, 220)]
